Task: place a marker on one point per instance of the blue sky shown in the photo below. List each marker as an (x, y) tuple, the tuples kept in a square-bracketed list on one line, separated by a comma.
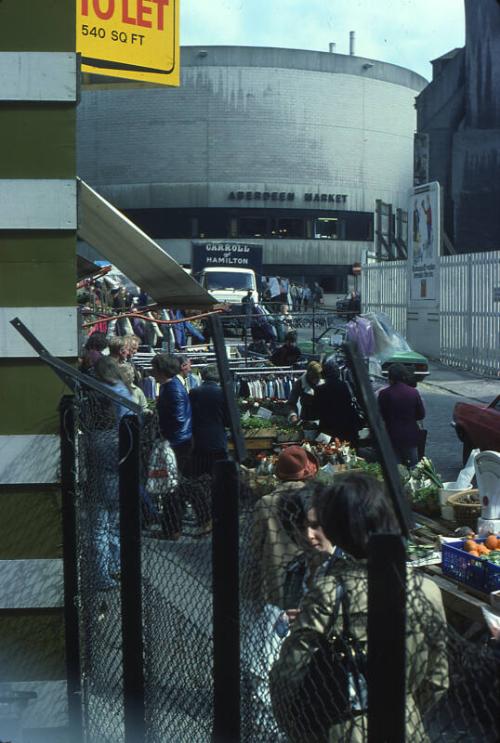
[(405, 32)]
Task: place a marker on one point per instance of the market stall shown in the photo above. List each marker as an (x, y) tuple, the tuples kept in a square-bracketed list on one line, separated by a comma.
[(466, 567)]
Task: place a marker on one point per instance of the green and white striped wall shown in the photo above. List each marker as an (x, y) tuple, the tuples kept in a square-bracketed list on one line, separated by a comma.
[(38, 220)]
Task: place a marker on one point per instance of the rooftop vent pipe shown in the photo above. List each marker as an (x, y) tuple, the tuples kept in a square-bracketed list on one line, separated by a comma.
[(331, 47), (351, 43)]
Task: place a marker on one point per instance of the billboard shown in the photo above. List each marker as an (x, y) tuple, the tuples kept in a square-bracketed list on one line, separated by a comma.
[(133, 39), (424, 241), (226, 253)]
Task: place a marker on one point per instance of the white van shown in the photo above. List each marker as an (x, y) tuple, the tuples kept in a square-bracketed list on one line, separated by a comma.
[(229, 284)]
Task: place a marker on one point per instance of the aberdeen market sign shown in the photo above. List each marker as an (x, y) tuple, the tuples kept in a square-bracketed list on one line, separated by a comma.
[(133, 39)]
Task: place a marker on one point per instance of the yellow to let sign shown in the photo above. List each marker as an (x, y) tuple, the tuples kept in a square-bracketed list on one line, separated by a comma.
[(134, 39)]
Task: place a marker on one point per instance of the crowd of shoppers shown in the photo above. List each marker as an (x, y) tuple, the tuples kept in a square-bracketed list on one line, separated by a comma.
[(278, 290), (308, 544), (309, 540)]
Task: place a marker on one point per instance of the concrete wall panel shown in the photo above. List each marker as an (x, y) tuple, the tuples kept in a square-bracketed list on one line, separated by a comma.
[(261, 120)]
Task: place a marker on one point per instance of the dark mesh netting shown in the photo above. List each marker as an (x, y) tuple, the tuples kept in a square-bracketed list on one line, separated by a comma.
[(304, 641), (98, 559), (303, 610), (177, 594)]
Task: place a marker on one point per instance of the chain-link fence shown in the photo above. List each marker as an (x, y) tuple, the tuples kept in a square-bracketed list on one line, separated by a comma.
[(300, 596), (176, 547), (305, 624), (99, 569)]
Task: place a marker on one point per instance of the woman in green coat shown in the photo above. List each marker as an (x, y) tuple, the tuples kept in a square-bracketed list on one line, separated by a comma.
[(349, 512)]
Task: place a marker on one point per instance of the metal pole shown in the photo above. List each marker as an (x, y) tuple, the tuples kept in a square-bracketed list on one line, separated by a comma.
[(378, 229), (386, 639), (131, 594), (469, 323), (380, 437), (314, 325), (70, 569), (226, 617), (227, 388)]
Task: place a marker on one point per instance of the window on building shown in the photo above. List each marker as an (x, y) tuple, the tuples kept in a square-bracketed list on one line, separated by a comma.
[(252, 227), (326, 228), (359, 226), (287, 228), (213, 224)]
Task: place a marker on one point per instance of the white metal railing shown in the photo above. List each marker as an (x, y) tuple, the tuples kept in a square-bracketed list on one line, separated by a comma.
[(469, 306), (469, 314), (384, 289)]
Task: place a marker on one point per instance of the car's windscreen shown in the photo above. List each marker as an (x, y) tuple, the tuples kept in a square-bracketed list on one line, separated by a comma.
[(228, 280)]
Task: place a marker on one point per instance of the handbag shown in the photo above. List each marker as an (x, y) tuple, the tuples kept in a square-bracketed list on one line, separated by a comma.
[(332, 688)]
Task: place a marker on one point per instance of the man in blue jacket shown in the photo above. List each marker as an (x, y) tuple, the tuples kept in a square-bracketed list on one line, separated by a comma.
[(174, 408)]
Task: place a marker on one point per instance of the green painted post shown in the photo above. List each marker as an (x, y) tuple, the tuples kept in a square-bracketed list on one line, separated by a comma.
[(37, 282)]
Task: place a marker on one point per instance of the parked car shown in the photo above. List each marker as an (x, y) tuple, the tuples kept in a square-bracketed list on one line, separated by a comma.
[(349, 305), (415, 362), (477, 426), (390, 348)]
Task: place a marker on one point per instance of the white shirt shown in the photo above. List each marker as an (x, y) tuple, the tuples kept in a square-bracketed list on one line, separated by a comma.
[(274, 287)]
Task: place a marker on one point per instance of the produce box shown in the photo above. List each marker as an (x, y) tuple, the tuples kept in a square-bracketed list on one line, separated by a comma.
[(260, 433), (478, 572)]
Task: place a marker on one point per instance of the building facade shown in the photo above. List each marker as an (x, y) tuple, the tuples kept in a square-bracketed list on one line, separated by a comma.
[(459, 115), (286, 148)]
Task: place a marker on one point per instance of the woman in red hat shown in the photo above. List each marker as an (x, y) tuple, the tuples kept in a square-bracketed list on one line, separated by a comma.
[(272, 547)]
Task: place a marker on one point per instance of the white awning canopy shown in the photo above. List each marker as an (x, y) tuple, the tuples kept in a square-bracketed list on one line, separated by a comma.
[(135, 254)]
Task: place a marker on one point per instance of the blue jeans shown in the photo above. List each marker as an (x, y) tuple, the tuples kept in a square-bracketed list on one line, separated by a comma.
[(103, 511), (105, 544)]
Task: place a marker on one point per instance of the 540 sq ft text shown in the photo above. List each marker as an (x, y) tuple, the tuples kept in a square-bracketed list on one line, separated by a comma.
[(121, 36)]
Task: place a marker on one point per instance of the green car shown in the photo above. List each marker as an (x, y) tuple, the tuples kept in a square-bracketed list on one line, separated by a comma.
[(389, 346)]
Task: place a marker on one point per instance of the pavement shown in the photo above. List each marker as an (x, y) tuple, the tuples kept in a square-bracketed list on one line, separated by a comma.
[(462, 383)]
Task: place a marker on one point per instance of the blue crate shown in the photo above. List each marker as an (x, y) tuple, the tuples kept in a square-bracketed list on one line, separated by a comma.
[(478, 573)]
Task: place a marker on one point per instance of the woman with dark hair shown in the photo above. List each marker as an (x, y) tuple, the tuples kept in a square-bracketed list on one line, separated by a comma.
[(354, 508), (401, 407), (92, 351), (350, 511), (289, 353)]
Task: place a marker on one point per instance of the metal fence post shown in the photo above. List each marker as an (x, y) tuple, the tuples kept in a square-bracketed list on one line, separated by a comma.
[(386, 639), (70, 569), (470, 340), (226, 603), (313, 339), (131, 589)]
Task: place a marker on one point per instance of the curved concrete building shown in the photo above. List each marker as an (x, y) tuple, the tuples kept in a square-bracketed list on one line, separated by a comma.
[(286, 148)]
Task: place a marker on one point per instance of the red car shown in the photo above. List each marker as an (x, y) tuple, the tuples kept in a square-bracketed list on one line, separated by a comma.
[(477, 426)]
